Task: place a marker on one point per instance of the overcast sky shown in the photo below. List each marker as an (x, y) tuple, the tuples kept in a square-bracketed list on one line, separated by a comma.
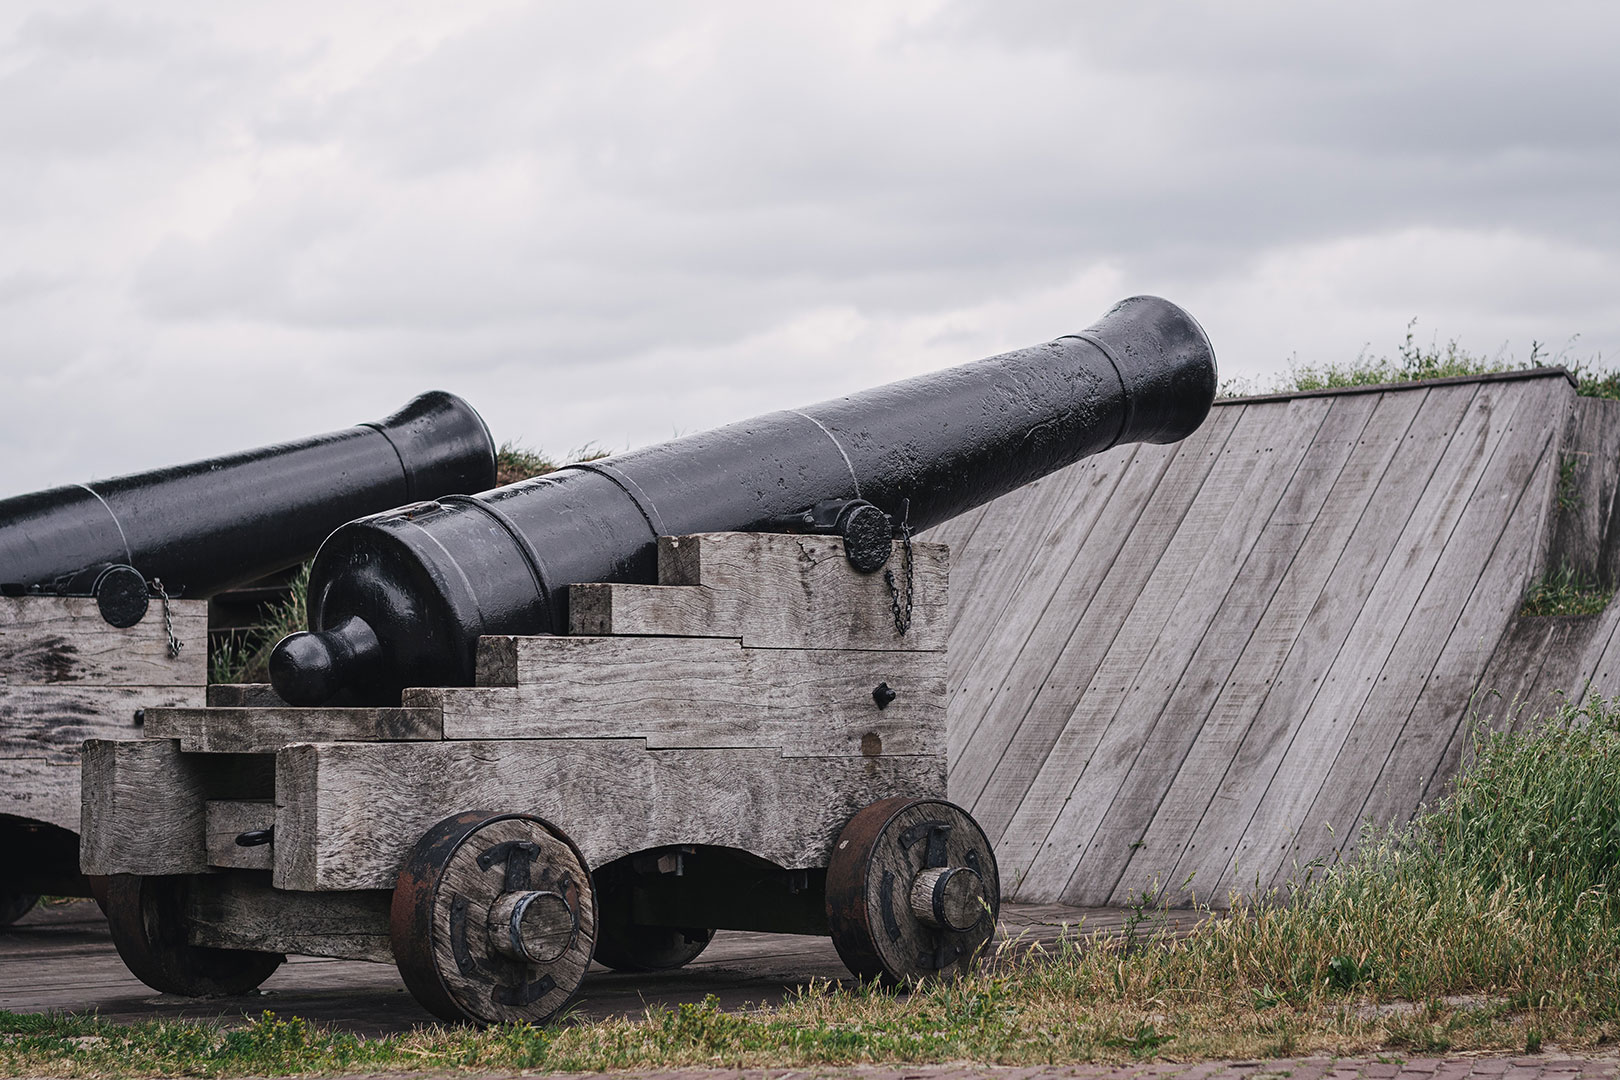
[(230, 224)]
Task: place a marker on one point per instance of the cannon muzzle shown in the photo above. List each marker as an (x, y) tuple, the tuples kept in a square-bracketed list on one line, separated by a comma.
[(206, 526), (401, 598)]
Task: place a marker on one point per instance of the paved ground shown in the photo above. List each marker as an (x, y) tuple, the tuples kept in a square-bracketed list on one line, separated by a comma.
[(62, 957), (1541, 1067)]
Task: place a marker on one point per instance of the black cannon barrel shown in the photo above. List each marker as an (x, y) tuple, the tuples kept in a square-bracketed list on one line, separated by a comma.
[(401, 598), (208, 525)]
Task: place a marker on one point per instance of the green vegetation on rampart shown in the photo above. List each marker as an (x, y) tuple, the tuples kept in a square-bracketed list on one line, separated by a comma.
[(1414, 362), (1490, 923)]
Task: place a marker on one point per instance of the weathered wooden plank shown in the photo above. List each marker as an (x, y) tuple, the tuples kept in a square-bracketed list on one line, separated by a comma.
[(1236, 588), (226, 819), (772, 591), (1305, 538), (41, 790), (142, 811), (1464, 607), (978, 665), (966, 558), (707, 692), (1015, 527), (51, 721), (1280, 817), (242, 911), (1029, 716), (51, 640), (266, 730), (1589, 477), (347, 813), (1107, 725), (990, 702), (1259, 713)]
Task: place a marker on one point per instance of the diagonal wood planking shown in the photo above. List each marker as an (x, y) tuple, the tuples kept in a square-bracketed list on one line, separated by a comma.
[(1097, 597), (1100, 741), (1168, 850), (1120, 834), (1460, 600), (976, 682), (1319, 604), (1280, 816)]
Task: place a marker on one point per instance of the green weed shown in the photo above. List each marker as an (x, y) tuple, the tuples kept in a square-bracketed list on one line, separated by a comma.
[(1565, 591)]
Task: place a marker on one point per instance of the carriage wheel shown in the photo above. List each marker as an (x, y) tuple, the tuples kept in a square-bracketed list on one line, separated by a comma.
[(14, 905), (912, 891), (147, 917), (494, 919)]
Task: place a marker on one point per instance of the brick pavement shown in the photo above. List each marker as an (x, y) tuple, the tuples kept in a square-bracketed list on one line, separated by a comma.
[(1383, 1067)]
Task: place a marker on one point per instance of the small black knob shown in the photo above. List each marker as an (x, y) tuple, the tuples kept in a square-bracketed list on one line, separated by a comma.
[(140, 717), (255, 837), (882, 694)]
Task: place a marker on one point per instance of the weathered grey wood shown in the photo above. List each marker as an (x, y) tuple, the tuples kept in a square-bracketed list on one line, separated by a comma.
[(265, 730), (957, 534), (1403, 733), (1082, 773), (226, 819), (347, 813), (51, 640), (244, 696), (142, 811), (1307, 542), (770, 590), (1280, 817), (51, 721), (978, 663), (1225, 601), (1265, 704), (41, 790), (707, 692), (991, 700), (1589, 464), (1029, 717), (242, 911)]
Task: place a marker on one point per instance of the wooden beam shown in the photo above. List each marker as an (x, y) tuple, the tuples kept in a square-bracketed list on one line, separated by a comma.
[(242, 911), (347, 813), (142, 811), (266, 730), (52, 640), (707, 692), (772, 591), (50, 722), (226, 819)]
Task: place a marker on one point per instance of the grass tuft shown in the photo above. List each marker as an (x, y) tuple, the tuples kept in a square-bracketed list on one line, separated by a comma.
[(1413, 362), (1565, 591)]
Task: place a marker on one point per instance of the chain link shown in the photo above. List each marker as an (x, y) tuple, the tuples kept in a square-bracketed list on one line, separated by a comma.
[(902, 613), (175, 644)]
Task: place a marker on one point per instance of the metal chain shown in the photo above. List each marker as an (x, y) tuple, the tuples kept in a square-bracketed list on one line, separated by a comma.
[(175, 644), (902, 615)]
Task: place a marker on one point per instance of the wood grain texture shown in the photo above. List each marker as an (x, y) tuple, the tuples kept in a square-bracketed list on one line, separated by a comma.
[(226, 819), (1089, 761), (54, 640), (41, 790), (707, 692), (1317, 540), (1232, 589), (1419, 706), (143, 809), (1321, 605), (266, 730), (1281, 814), (346, 813), (51, 722), (242, 911), (770, 590), (1062, 675), (980, 660)]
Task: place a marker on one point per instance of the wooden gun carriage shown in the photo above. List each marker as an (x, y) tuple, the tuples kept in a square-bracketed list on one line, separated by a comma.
[(752, 744)]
